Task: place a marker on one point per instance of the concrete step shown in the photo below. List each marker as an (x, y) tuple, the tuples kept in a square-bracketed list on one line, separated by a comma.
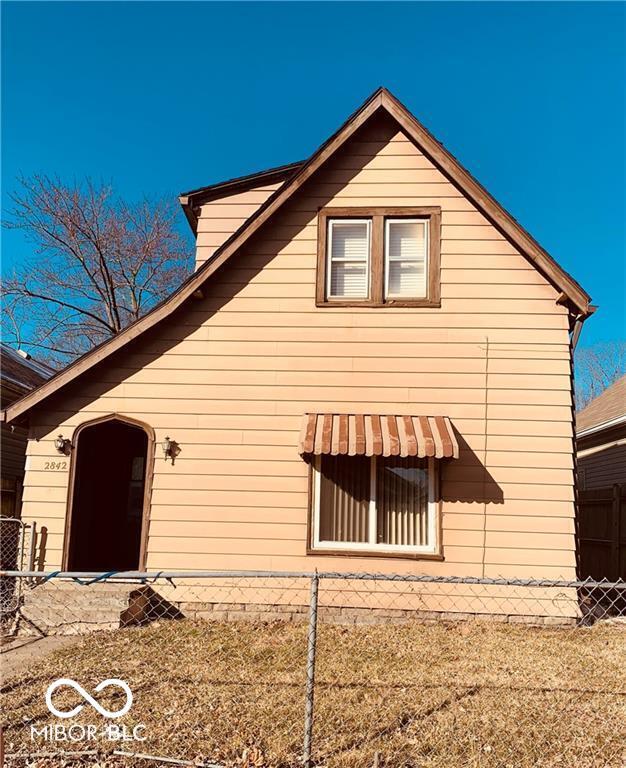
[(67, 608)]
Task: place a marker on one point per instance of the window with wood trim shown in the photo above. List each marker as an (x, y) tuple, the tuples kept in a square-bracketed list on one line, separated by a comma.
[(379, 257), (348, 258), (374, 504), (406, 258)]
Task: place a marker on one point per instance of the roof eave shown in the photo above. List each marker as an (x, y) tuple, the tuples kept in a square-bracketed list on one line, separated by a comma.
[(601, 427), (503, 221), (499, 217), (197, 278), (192, 200), (190, 213)]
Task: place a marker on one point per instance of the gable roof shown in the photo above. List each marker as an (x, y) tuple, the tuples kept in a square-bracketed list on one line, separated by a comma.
[(381, 99), (607, 409)]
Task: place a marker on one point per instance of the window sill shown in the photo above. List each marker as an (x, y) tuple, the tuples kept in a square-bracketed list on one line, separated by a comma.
[(437, 556), (389, 304)]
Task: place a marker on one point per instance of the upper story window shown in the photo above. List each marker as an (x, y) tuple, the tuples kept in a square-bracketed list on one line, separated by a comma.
[(348, 257), (378, 257), (406, 258)]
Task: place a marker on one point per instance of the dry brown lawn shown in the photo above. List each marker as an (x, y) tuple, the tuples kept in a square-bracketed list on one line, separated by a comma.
[(476, 695)]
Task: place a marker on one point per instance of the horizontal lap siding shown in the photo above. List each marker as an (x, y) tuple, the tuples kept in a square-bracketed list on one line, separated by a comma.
[(230, 378), (219, 219), (604, 467)]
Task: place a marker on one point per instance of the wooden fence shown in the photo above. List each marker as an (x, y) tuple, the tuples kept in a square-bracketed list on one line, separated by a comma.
[(602, 532)]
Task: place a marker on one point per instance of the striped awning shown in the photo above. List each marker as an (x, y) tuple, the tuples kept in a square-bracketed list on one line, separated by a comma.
[(374, 435)]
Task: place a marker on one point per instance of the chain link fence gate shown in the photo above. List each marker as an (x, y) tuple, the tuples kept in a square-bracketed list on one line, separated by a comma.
[(17, 553), (270, 670)]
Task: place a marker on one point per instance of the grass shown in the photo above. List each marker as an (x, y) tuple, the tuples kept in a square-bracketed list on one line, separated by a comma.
[(475, 694)]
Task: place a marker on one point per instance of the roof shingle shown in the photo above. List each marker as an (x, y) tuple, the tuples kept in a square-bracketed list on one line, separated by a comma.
[(609, 405)]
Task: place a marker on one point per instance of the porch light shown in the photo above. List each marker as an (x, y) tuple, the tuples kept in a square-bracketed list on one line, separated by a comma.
[(171, 449), (62, 444)]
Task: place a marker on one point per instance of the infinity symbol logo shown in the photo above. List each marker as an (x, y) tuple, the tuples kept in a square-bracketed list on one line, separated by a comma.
[(79, 689)]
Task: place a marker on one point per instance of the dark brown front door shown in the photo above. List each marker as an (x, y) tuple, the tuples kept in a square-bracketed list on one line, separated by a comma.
[(108, 498)]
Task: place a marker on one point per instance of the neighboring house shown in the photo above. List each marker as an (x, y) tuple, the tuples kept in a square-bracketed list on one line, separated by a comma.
[(19, 373), (601, 470), (370, 370), (601, 439)]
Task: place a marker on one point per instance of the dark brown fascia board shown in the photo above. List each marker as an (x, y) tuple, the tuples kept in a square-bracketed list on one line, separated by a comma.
[(196, 280), (379, 99), (251, 179), (191, 200), (483, 200)]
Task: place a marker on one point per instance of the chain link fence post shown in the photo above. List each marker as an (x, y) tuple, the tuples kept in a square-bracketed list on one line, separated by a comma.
[(310, 672), (33, 545)]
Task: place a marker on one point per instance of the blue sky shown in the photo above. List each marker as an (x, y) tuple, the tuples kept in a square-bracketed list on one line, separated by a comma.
[(159, 98)]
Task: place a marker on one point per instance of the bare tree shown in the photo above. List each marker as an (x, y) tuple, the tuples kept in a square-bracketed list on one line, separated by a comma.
[(100, 264), (597, 367)]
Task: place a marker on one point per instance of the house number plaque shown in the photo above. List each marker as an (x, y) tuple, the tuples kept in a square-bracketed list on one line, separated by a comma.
[(54, 465)]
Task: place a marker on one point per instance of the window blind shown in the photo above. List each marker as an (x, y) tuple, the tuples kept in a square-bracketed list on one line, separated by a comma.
[(349, 258), (402, 502), (344, 498), (405, 248), (374, 501)]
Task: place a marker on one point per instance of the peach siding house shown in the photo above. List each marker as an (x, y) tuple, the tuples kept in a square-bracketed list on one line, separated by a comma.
[(369, 370)]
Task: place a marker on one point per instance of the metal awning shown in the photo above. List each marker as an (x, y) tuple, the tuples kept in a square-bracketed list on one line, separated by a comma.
[(376, 435)]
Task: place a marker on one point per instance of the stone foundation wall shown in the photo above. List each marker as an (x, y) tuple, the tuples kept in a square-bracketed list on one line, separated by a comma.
[(353, 616)]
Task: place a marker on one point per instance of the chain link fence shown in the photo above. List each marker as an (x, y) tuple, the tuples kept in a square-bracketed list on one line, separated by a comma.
[(17, 553), (270, 670)]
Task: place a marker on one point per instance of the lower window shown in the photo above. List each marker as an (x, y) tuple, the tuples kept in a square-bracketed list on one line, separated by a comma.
[(374, 504)]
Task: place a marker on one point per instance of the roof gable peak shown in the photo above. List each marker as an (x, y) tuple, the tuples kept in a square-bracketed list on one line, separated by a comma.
[(572, 293)]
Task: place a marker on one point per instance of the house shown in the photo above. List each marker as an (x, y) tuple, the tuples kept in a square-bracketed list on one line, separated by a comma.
[(19, 373), (601, 439), (601, 475), (369, 370)]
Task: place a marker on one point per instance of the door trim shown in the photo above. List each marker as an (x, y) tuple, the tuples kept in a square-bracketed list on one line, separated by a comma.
[(147, 489)]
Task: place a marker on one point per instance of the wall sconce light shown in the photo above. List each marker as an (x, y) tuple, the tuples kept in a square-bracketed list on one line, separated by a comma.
[(63, 445), (171, 449)]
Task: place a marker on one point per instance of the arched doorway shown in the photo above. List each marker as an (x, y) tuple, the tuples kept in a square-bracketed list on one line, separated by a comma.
[(109, 495)]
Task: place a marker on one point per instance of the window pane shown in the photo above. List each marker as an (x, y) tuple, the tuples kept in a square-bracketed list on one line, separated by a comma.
[(349, 256), (406, 258), (406, 278), (348, 279), (344, 498), (402, 501), (349, 240)]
